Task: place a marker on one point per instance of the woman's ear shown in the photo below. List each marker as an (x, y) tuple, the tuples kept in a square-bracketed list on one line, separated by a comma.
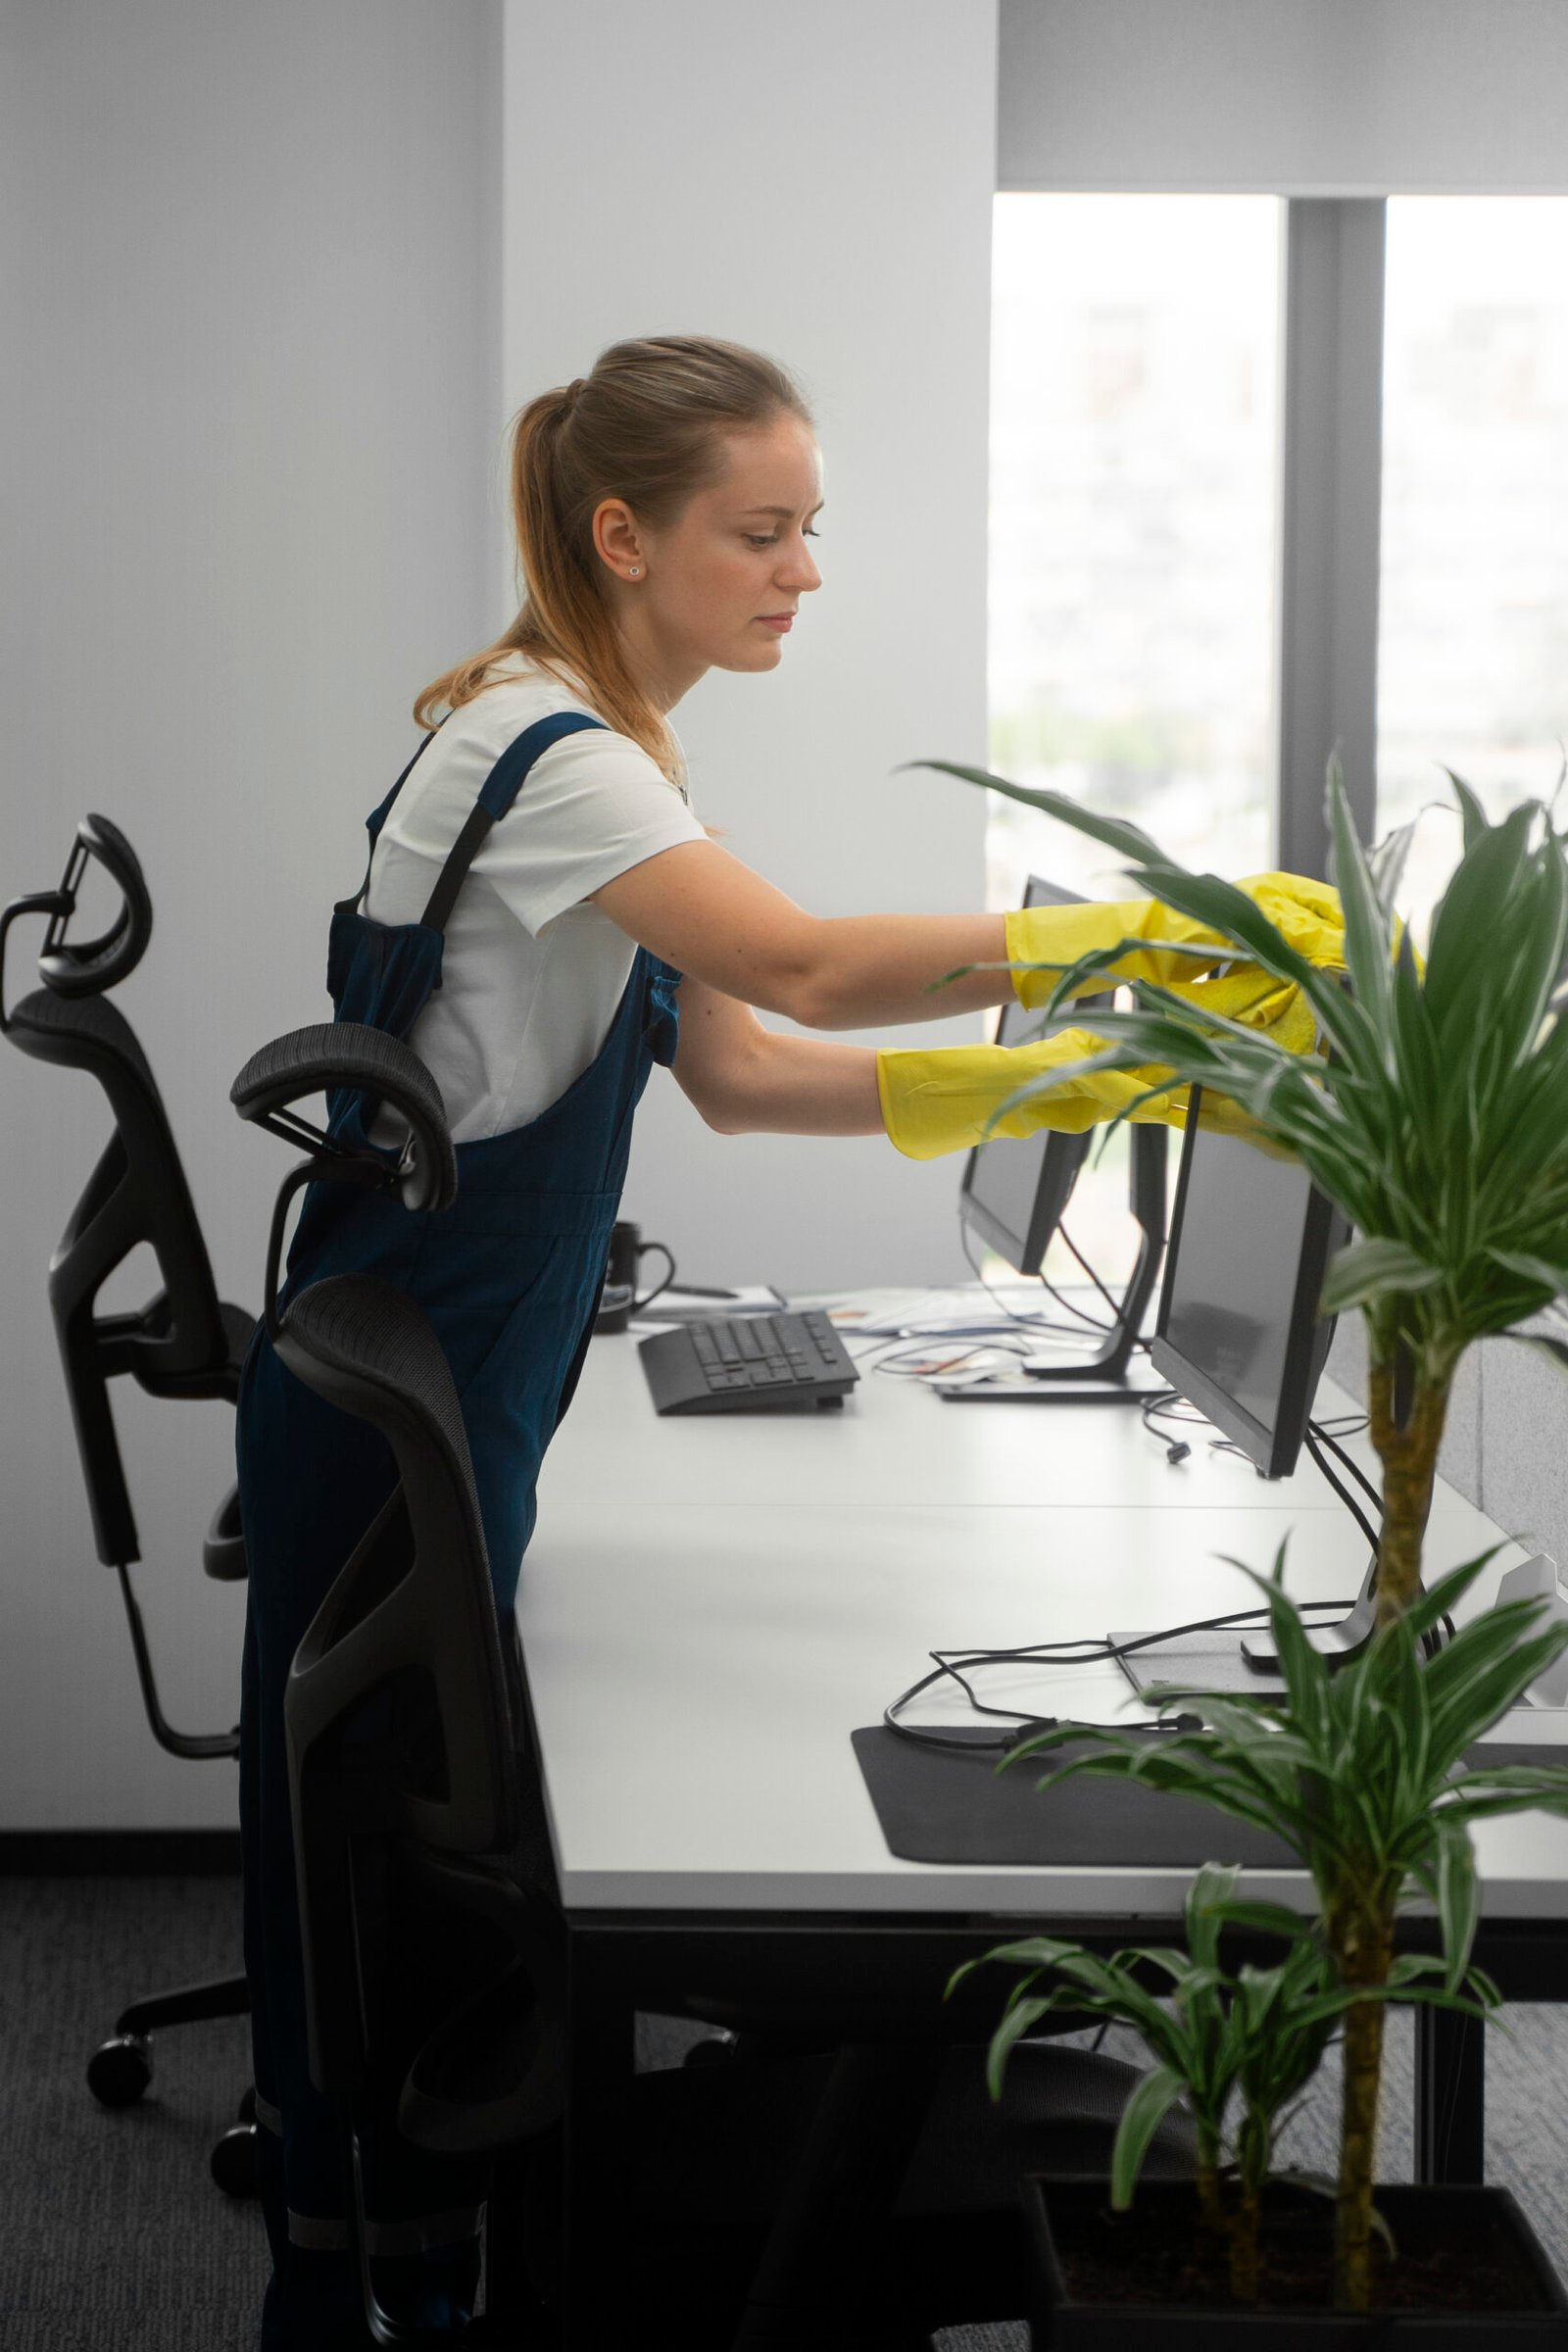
[(618, 539)]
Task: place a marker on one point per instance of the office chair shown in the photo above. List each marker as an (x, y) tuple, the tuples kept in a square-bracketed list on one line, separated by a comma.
[(872, 2187), (185, 1343)]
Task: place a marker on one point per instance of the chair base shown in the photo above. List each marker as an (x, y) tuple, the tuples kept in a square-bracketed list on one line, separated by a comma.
[(121, 2069)]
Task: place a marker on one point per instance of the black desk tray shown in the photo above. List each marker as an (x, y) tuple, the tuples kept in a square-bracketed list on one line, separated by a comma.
[(935, 1805), (939, 1806)]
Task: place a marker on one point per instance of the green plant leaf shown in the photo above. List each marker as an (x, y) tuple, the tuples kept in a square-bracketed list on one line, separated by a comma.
[(1017, 2022), (1272, 1919), (1480, 902), (1112, 831), (1387, 860), (1368, 947), (1557, 1350), (1152, 2100), (1476, 822), (1210, 1893), (1370, 1269), (1459, 1898), (1534, 1270)]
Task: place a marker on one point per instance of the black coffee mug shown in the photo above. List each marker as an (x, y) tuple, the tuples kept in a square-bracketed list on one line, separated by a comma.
[(626, 1250)]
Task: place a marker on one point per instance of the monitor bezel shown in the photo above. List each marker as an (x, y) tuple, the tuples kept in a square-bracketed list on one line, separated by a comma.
[(1273, 1451), (1062, 1158)]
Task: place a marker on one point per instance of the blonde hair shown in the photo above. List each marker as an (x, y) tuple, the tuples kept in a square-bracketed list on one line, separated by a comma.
[(647, 427)]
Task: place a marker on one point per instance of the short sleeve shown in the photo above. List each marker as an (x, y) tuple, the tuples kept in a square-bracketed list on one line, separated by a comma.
[(592, 807)]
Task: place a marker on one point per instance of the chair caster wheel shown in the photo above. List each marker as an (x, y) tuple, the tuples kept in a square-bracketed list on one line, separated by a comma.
[(232, 2163), (247, 2106), (119, 2070)]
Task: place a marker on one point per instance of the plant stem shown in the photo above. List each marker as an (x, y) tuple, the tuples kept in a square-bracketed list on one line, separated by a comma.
[(1365, 1954), (1244, 2232), (1409, 1458), (1210, 2204)]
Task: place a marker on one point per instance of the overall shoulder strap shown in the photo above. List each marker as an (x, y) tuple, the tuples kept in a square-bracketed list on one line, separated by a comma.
[(378, 817), (501, 788)]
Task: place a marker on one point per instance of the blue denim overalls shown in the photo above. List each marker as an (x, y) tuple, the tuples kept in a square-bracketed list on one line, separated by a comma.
[(510, 1277)]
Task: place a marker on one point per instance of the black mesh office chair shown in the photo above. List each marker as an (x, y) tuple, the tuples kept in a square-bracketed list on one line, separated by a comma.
[(790, 2193), (185, 1343)]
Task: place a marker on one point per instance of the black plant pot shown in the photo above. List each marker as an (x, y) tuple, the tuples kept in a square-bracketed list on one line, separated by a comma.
[(1123, 2282)]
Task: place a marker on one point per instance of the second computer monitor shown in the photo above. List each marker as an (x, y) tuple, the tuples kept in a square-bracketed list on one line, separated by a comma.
[(1239, 1332), (1015, 1189)]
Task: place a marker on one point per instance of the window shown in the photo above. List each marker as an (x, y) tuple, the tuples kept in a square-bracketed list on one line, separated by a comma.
[(1133, 471), (1133, 500), (1473, 643)]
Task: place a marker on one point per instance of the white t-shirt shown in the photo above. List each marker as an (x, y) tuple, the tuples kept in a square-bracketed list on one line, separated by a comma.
[(530, 975)]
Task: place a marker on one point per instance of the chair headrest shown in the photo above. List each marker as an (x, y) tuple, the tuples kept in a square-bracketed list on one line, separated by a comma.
[(86, 967), (349, 1054)]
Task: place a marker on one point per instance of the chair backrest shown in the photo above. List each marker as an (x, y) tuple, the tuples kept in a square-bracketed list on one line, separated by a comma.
[(138, 1191), (413, 1603)]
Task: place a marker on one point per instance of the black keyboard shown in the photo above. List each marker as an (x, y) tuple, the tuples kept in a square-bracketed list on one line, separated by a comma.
[(746, 1364)]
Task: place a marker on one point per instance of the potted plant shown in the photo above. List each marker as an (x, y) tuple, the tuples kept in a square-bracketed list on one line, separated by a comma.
[(1359, 1772), (1232, 2048), (1438, 1120)]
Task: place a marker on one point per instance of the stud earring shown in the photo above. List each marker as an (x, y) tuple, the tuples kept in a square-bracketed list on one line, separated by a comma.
[(633, 571)]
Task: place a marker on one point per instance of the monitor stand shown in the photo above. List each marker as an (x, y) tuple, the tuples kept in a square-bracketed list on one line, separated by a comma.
[(1114, 1375), (1234, 1658)]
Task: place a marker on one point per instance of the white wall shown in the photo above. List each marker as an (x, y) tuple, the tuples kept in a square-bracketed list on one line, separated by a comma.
[(251, 403), (820, 185), (258, 279)]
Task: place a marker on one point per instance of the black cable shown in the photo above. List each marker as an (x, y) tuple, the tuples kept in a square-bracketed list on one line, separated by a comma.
[(1340, 1487), (1165, 1405), (1095, 1650), (1070, 1307), (1117, 1306), (964, 1348), (1025, 1321), (1325, 1431)]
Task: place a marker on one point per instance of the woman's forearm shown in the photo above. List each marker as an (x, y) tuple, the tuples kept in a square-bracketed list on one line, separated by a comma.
[(871, 969), (712, 917), (800, 1086)]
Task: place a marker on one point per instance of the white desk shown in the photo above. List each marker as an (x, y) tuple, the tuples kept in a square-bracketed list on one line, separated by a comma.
[(710, 1606)]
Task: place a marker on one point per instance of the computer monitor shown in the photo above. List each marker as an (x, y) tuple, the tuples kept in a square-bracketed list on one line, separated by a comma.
[(1238, 1330), (1014, 1189), (1014, 1195), (1238, 1335)]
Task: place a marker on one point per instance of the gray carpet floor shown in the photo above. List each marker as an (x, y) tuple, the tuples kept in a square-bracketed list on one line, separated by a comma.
[(115, 2237)]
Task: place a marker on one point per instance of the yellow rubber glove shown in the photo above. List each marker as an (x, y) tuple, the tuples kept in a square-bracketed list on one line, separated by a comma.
[(1305, 912), (944, 1100)]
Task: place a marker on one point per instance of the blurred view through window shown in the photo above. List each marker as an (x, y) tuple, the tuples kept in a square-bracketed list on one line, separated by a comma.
[(1133, 495), (1473, 640)]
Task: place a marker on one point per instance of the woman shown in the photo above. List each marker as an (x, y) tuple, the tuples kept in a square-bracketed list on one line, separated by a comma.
[(538, 892)]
